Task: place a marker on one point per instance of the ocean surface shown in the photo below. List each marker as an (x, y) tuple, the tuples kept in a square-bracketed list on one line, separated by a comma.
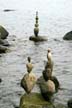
[(55, 20)]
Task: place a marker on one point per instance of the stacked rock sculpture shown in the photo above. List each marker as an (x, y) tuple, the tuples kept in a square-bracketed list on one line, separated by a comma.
[(36, 37), (48, 83), (29, 79)]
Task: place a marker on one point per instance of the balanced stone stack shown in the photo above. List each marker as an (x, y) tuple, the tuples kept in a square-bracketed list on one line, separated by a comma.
[(36, 37), (29, 79), (48, 84)]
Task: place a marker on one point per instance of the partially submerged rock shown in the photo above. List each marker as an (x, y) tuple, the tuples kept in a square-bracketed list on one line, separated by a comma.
[(69, 103), (68, 36), (3, 32), (38, 38), (34, 100)]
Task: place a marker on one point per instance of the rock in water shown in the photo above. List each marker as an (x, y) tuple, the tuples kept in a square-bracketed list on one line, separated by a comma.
[(69, 103), (68, 36), (38, 39), (28, 82), (3, 33)]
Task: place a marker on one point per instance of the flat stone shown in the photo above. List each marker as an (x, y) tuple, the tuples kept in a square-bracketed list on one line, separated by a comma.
[(38, 39)]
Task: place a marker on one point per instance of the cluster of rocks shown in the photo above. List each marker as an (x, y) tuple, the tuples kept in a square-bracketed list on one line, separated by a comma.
[(47, 83), (3, 42)]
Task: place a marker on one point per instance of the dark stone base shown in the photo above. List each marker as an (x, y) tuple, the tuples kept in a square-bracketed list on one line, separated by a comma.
[(37, 39)]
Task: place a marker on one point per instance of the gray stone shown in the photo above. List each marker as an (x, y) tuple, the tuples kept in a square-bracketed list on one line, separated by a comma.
[(68, 36), (3, 33)]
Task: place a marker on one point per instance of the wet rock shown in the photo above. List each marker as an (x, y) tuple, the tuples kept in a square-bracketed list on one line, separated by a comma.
[(37, 39), (69, 103), (34, 100), (4, 42), (3, 32), (3, 49), (28, 82), (68, 36)]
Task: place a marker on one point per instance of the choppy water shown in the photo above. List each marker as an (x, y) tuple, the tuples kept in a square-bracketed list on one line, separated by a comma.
[(55, 19)]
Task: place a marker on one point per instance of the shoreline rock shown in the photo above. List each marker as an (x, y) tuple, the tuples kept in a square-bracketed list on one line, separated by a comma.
[(3, 33), (68, 36)]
